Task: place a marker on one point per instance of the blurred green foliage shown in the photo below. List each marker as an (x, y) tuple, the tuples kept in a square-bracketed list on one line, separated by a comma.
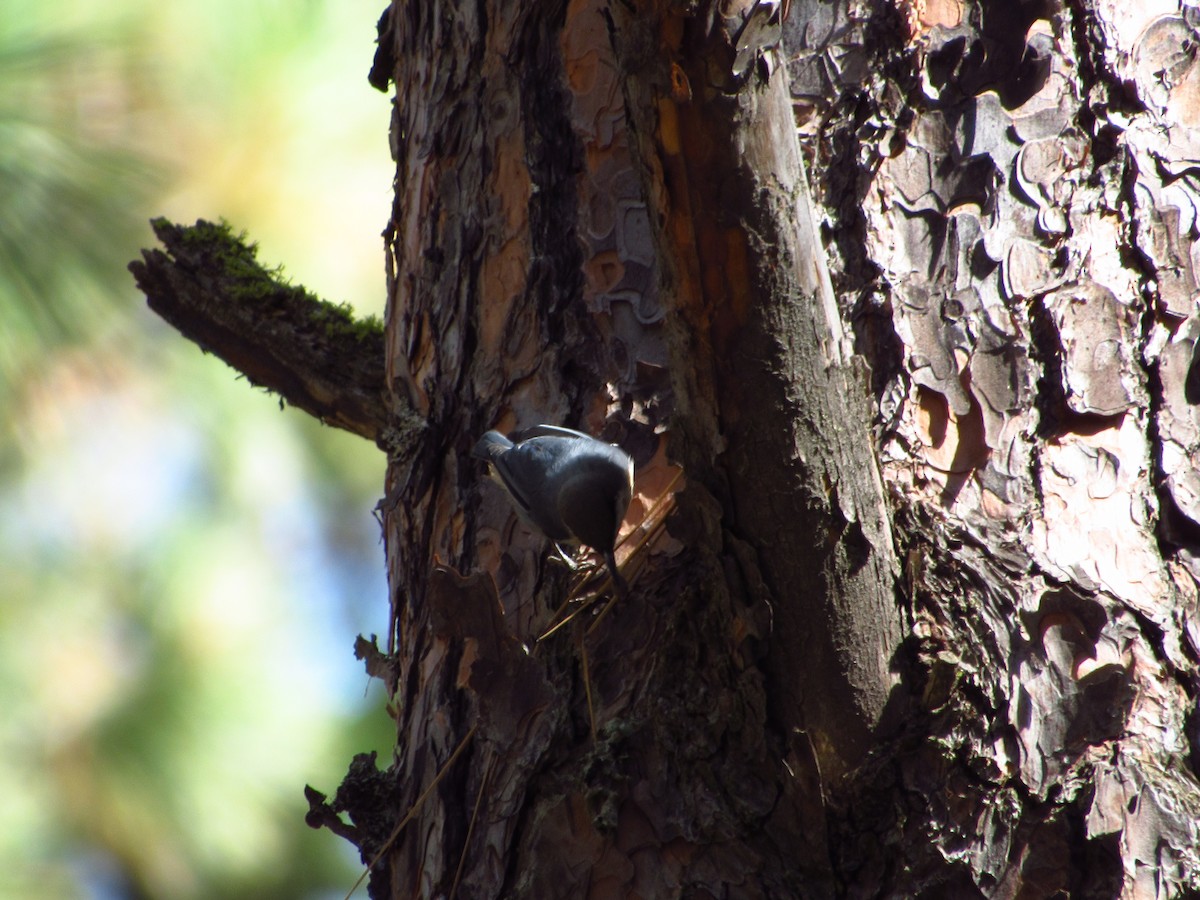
[(70, 188), (184, 567)]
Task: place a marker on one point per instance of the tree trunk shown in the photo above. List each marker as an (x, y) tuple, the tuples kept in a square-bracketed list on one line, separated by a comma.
[(602, 220)]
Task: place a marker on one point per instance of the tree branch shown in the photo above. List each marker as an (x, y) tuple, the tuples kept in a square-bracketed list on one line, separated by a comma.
[(315, 355)]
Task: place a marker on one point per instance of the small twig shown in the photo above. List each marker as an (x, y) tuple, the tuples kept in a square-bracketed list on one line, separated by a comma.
[(557, 626), (587, 684), (417, 804), (487, 774)]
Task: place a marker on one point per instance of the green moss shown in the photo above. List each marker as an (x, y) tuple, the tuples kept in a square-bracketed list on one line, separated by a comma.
[(339, 319), (228, 254)]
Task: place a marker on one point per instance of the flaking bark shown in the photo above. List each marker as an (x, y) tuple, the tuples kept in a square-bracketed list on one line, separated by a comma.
[(773, 419), (601, 221)]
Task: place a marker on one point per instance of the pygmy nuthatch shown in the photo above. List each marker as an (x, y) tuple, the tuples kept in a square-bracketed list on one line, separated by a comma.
[(570, 486)]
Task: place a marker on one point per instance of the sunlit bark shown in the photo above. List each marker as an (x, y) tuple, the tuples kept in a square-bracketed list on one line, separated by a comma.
[(602, 221)]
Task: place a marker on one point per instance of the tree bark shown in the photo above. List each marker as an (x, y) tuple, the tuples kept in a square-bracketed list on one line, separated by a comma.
[(550, 267), (771, 418), (602, 221), (1005, 203), (931, 630)]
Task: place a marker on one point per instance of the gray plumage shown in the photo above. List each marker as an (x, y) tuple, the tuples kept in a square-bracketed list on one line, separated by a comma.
[(568, 485)]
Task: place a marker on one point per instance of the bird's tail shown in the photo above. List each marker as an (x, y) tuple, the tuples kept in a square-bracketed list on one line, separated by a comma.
[(619, 583)]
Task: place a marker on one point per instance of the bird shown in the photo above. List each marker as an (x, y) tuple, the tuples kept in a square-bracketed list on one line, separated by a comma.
[(568, 485)]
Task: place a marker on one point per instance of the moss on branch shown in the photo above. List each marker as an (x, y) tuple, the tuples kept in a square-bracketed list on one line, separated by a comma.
[(207, 282)]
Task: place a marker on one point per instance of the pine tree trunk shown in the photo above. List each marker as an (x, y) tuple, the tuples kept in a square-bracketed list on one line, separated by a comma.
[(924, 625)]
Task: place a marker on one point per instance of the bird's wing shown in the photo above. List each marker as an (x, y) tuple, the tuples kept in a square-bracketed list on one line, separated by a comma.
[(553, 431), (523, 468)]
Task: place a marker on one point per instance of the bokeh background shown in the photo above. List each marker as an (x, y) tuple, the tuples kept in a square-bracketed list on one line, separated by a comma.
[(183, 566)]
